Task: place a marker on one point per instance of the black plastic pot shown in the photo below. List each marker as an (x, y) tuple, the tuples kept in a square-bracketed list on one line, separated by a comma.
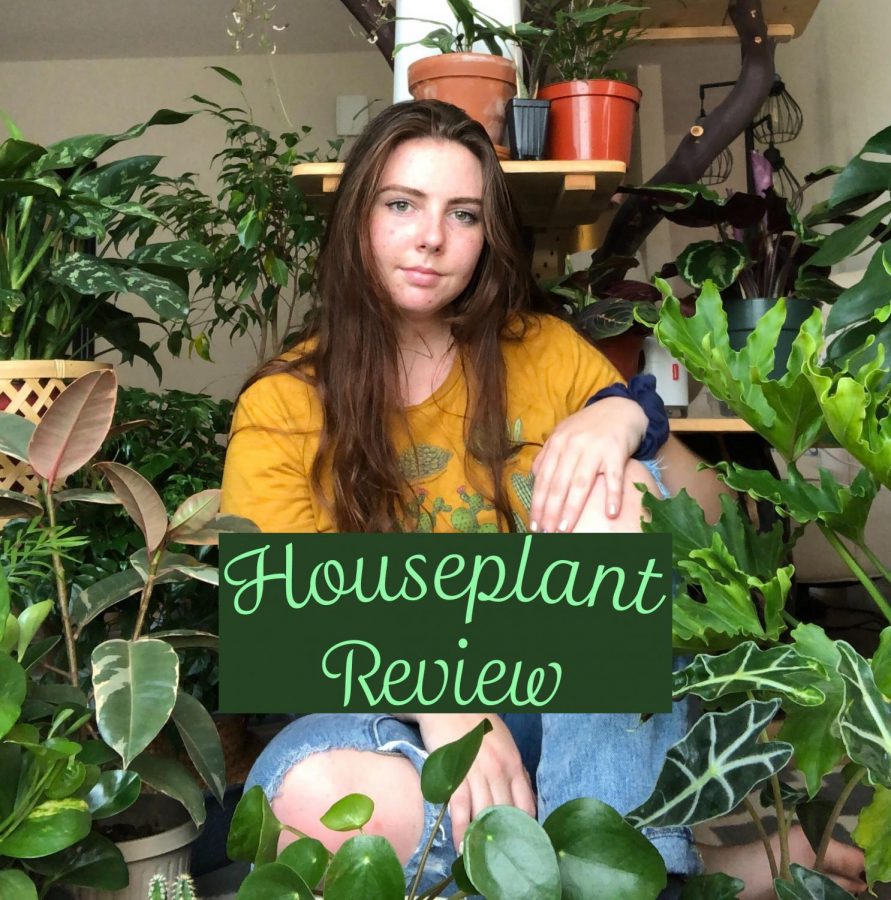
[(527, 127), (743, 315)]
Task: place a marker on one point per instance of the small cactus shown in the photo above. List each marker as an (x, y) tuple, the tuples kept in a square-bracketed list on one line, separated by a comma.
[(423, 461), (182, 888), (523, 489)]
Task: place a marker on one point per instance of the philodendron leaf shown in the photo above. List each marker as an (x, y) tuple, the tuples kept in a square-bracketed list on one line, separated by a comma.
[(49, 827), (600, 855), (202, 742), (114, 791), (140, 500), (307, 857), (713, 768), (881, 663), (508, 856), (253, 834), (93, 862), (784, 412), (873, 834), (866, 717), (15, 883), (15, 435), (854, 406), (720, 261), (74, 427), (171, 777), (350, 813), (779, 670), (717, 886), (274, 881), (13, 688), (134, 684), (447, 766), (809, 885), (365, 866), (813, 731)]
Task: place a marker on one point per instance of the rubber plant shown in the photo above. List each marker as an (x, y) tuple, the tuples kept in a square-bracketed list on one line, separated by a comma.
[(75, 725)]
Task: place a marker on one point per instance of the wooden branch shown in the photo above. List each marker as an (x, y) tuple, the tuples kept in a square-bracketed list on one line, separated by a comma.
[(637, 216), (368, 14)]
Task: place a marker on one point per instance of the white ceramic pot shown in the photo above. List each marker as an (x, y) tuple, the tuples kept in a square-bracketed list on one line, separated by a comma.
[(671, 376)]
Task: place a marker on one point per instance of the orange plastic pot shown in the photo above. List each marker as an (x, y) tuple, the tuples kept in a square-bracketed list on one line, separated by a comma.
[(591, 119), (479, 83)]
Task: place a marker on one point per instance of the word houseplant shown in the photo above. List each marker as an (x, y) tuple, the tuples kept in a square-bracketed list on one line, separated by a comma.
[(592, 107), (78, 719), (479, 83), (261, 235)]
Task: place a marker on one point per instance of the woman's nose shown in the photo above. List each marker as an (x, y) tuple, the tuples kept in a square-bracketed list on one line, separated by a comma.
[(430, 233)]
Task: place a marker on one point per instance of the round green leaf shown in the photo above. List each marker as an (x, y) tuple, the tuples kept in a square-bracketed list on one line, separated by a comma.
[(274, 881), (600, 854), (16, 884), (253, 834), (447, 766), (13, 686), (307, 857), (68, 779), (508, 856), (349, 813), (365, 866), (50, 827), (113, 792)]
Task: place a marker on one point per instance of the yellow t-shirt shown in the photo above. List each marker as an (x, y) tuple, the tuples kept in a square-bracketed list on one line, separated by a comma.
[(275, 431)]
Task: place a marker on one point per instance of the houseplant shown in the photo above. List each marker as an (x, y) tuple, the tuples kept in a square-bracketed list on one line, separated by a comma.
[(96, 708), (592, 108), (479, 83), (262, 235)]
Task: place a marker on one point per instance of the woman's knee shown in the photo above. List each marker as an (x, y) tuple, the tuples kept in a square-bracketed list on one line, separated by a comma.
[(313, 785), (593, 517)]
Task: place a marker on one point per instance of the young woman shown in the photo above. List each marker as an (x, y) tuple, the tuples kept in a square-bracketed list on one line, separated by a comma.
[(422, 398)]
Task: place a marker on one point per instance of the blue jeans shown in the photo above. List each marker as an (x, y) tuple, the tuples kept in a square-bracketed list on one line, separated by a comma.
[(609, 756)]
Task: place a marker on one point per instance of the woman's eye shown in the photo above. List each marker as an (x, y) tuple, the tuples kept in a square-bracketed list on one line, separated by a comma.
[(399, 205), (466, 216)]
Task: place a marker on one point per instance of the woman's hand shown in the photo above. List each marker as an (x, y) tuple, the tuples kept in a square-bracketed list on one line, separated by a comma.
[(597, 440), (497, 776)]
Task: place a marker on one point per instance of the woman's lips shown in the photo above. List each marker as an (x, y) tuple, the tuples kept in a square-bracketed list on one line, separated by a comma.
[(421, 277)]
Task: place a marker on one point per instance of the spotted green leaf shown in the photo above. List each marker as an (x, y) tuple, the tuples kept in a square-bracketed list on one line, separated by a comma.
[(179, 254)]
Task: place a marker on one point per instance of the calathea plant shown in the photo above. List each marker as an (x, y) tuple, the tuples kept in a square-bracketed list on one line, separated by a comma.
[(76, 720), (64, 215)]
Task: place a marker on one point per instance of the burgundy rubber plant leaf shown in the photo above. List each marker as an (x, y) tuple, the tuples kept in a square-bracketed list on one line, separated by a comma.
[(194, 513), (140, 500), (74, 427)]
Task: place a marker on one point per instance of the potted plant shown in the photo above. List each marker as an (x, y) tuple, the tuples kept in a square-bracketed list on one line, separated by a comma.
[(479, 83), (592, 107), (64, 214), (82, 715)]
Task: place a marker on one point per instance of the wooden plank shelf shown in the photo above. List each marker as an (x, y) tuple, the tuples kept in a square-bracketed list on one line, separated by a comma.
[(707, 20), (550, 194), (715, 425)]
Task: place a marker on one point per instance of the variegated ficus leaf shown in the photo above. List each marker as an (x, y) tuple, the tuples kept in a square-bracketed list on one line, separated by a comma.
[(135, 684), (172, 563), (779, 670), (713, 768), (866, 717)]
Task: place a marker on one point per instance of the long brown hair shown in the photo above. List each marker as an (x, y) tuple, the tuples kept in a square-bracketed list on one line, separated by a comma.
[(353, 360)]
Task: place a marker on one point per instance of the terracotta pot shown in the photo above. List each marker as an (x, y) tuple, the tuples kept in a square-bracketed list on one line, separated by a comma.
[(479, 83), (624, 351), (591, 119)]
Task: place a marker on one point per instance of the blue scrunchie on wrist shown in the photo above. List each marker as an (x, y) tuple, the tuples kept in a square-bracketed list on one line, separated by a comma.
[(642, 389)]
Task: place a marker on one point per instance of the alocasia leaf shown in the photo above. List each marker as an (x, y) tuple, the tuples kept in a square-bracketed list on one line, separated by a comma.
[(779, 670), (713, 768)]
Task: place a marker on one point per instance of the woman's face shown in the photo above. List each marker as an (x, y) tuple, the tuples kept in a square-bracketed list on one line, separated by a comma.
[(426, 230)]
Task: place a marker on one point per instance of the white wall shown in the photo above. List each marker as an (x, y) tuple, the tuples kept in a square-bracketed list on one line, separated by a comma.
[(61, 98)]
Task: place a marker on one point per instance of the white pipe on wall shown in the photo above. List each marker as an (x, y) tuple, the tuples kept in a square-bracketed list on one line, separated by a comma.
[(505, 11)]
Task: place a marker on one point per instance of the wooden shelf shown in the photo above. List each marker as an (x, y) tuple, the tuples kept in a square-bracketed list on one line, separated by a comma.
[(717, 425), (707, 20), (550, 194)]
